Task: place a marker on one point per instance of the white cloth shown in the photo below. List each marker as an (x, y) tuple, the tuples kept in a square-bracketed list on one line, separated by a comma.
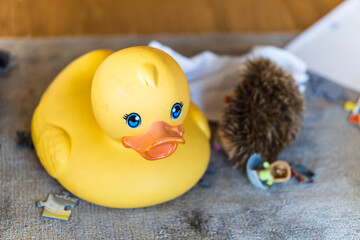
[(211, 76)]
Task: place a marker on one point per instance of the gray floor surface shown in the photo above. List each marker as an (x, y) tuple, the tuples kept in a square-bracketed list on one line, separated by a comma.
[(230, 209)]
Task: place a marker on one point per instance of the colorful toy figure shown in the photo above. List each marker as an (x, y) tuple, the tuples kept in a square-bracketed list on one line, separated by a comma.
[(354, 117), (262, 174), (119, 129), (265, 174)]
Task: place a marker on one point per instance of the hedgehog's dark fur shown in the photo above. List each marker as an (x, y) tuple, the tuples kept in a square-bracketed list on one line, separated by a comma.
[(264, 115)]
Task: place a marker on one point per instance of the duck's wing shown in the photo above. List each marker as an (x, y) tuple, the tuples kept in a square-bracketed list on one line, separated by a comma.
[(198, 117), (52, 145), (53, 123)]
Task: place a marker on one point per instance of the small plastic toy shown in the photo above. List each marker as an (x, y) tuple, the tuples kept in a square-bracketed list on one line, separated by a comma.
[(57, 206), (263, 174), (119, 129), (302, 175), (354, 109)]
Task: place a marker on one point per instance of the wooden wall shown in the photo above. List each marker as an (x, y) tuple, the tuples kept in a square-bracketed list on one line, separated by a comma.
[(84, 17)]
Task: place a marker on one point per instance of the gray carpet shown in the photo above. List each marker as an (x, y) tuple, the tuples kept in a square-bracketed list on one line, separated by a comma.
[(230, 209)]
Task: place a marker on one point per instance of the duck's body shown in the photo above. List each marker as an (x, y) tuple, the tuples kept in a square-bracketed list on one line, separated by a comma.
[(75, 149)]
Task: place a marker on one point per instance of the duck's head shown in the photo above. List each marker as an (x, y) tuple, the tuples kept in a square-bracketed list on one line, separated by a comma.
[(140, 98)]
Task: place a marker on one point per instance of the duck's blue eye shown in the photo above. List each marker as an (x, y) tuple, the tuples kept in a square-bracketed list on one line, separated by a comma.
[(133, 120), (176, 111)]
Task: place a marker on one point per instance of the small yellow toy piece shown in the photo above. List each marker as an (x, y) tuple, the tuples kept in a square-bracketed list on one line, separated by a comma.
[(349, 106), (119, 129)]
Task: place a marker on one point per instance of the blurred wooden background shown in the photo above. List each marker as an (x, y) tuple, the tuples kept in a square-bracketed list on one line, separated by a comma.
[(89, 17)]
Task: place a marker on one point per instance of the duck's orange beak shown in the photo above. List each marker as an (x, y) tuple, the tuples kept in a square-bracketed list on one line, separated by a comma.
[(158, 141)]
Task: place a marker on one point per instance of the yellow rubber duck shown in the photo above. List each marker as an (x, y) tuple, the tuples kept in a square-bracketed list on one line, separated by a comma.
[(119, 129)]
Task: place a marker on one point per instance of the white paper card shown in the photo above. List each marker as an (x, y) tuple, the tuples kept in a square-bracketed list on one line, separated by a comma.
[(331, 47)]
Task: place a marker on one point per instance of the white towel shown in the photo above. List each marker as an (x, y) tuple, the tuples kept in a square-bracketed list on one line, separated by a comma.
[(211, 76)]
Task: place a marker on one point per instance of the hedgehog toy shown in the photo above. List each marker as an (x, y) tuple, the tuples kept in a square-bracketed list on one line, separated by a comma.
[(263, 115)]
